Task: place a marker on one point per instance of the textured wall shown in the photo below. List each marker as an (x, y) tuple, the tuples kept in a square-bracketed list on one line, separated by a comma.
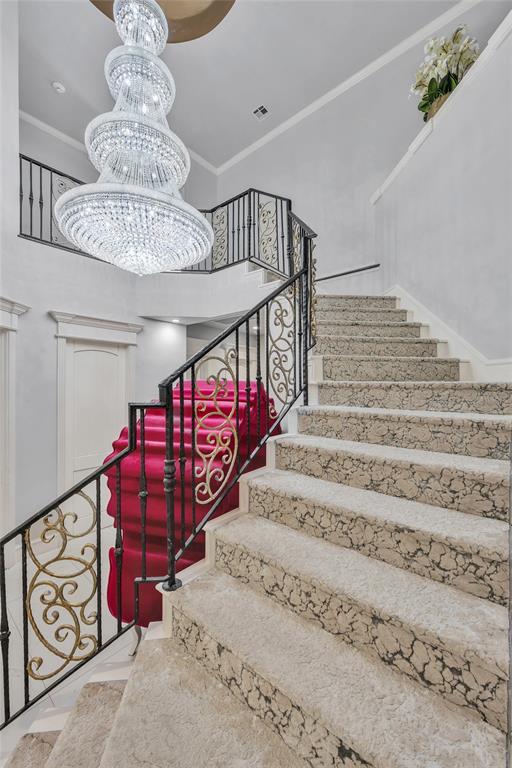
[(443, 225)]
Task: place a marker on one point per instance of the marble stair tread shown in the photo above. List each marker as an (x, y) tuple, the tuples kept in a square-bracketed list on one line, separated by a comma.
[(82, 741), (453, 396), (279, 661), (468, 626), (472, 434), (477, 535), (355, 300), (381, 346), (469, 484), (362, 368), (175, 715), (32, 750), (386, 313), (380, 328)]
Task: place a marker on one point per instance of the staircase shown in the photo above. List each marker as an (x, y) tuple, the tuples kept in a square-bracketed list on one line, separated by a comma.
[(353, 611)]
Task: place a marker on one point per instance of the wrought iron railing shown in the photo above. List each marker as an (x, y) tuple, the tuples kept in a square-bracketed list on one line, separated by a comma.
[(213, 418), (40, 188), (251, 227)]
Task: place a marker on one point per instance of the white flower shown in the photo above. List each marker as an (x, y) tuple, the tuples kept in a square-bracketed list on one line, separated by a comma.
[(455, 55)]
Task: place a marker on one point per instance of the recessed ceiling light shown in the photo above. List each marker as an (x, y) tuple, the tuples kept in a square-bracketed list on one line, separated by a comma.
[(175, 320), (58, 87)]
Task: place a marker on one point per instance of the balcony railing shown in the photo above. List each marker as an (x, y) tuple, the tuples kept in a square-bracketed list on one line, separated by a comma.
[(252, 227)]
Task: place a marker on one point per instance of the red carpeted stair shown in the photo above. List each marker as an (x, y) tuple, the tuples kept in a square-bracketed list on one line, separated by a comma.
[(215, 421)]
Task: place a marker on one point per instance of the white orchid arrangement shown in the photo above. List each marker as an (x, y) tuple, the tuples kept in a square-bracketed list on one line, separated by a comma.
[(446, 62)]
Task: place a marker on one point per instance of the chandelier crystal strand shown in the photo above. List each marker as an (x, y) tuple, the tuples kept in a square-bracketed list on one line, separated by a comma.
[(134, 215)]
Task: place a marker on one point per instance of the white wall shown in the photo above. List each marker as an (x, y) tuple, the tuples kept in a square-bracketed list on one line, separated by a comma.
[(443, 225), (200, 189), (333, 160), (48, 149)]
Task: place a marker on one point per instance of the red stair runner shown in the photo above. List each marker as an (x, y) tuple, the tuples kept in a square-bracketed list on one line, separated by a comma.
[(216, 430)]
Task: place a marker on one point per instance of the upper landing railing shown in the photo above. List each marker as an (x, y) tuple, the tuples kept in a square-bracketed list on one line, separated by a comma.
[(251, 227)]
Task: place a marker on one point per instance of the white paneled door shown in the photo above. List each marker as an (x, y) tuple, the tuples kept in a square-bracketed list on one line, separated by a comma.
[(95, 404)]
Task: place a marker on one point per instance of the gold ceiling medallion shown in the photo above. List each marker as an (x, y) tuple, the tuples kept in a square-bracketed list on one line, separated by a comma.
[(187, 19)]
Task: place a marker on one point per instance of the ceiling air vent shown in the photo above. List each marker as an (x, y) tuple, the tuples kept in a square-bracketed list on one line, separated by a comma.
[(260, 113)]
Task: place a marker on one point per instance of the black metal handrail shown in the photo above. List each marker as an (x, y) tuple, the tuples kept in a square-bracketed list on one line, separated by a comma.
[(217, 411), (250, 227), (353, 271)]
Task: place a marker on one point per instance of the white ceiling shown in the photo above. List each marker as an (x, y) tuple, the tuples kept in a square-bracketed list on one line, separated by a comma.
[(280, 53)]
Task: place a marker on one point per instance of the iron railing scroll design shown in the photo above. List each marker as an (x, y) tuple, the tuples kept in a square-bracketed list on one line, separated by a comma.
[(64, 592), (252, 227)]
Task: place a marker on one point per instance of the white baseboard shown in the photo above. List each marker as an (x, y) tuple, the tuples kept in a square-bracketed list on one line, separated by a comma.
[(479, 367)]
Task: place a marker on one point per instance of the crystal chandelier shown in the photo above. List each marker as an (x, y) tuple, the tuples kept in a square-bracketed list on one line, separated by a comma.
[(134, 215)]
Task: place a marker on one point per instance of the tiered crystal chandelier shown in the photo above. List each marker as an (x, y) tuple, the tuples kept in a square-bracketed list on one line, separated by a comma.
[(134, 215)]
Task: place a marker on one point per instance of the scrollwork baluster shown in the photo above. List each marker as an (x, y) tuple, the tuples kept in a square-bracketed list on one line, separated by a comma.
[(62, 587)]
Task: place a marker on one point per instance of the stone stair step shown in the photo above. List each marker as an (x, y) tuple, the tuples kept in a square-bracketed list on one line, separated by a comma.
[(368, 328), (466, 551), (369, 314), (471, 434), (450, 642), (176, 715), (460, 396), (32, 750), (372, 368), (467, 484), (356, 302), (331, 703), (82, 741), (379, 346)]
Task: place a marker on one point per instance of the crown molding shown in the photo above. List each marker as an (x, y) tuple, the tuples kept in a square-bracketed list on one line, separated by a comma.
[(13, 307), (9, 313), (69, 140), (200, 160), (95, 322), (398, 50), (393, 53), (80, 146)]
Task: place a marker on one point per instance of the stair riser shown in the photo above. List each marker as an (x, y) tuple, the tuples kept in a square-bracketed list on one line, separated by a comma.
[(471, 492), (350, 329), (356, 302), (352, 369), (467, 438), (301, 730), (334, 314), (408, 650), (419, 397), (411, 550), (331, 345)]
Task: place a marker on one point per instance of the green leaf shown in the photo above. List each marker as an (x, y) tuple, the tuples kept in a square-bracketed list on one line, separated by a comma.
[(433, 88)]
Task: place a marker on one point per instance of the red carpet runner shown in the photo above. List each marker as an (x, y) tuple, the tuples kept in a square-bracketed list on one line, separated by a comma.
[(216, 445)]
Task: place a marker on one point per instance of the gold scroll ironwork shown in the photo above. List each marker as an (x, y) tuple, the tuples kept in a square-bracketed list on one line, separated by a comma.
[(282, 340), (60, 591), (220, 244), (267, 233), (215, 414)]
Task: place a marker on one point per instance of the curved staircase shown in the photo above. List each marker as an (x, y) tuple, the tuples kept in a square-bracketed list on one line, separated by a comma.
[(353, 611)]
